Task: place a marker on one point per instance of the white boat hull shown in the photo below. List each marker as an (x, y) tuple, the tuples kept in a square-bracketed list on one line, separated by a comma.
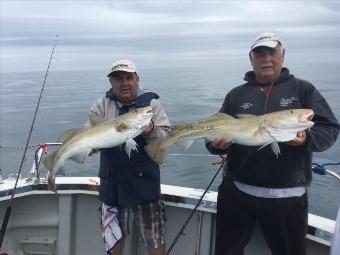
[(68, 223)]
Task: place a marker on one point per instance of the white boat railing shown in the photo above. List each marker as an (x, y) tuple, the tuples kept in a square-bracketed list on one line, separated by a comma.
[(37, 184), (34, 173)]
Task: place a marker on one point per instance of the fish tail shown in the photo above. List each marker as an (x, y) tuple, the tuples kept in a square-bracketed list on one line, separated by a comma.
[(48, 160), (51, 182), (48, 163), (156, 151)]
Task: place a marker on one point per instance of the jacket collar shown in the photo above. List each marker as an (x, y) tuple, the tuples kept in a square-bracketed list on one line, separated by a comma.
[(143, 98), (285, 75), (112, 96)]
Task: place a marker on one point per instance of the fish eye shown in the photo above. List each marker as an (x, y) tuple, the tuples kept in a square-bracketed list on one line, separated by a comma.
[(291, 111)]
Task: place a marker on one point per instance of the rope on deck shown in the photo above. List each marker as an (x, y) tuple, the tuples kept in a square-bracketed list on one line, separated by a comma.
[(320, 168)]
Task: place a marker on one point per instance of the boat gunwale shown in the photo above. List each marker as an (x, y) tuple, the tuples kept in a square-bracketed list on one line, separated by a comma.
[(175, 196)]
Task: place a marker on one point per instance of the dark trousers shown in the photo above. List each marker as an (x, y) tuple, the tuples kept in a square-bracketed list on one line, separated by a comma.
[(283, 221)]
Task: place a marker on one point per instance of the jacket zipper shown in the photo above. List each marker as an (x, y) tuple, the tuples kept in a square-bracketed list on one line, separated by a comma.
[(266, 93)]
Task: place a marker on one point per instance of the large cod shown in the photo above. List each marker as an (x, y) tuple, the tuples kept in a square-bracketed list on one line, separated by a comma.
[(246, 129), (78, 143)]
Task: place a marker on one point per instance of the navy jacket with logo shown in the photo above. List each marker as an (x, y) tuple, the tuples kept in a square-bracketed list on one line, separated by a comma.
[(292, 168)]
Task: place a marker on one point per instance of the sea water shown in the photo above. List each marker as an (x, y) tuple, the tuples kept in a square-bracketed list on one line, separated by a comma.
[(187, 94)]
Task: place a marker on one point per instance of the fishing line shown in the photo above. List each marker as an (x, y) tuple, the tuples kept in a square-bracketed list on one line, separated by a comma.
[(9, 208), (17, 147), (181, 231)]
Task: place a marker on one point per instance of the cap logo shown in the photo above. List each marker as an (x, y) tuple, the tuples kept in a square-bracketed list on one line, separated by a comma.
[(120, 66), (263, 37)]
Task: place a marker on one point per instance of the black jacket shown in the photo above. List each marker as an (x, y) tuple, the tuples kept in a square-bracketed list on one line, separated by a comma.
[(292, 168)]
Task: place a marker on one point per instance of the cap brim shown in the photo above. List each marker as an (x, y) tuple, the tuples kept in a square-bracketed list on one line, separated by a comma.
[(122, 70), (269, 44)]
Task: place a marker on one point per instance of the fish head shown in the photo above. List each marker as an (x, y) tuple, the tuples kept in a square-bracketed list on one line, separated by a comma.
[(139, 118), (297, 119), (144, 112)]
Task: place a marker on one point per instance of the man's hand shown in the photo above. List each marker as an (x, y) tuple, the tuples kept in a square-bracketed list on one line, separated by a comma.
[(220, 143), (300, 139), (149, 128)]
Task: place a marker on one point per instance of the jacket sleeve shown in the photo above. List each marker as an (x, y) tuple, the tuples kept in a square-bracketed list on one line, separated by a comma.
[(326, 127), (96, 112), (160, 120)]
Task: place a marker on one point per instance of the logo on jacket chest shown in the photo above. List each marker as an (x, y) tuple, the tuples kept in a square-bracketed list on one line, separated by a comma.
[(287, 101), (246, 105)]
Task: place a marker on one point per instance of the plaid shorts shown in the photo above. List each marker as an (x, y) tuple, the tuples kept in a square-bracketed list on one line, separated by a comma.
[(150, 220)]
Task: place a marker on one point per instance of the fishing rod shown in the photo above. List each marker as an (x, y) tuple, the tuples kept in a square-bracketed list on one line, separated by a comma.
[(9, 208), (181, 231)]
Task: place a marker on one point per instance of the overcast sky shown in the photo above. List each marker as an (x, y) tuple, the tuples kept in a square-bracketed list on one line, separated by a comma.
[(161, 33)]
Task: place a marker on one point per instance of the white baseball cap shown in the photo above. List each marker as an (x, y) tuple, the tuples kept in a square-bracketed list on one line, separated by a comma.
[(123, 65), (266, 39)]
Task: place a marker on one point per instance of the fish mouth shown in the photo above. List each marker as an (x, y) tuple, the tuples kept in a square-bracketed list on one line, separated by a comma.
[(307, 117), (148, 113)]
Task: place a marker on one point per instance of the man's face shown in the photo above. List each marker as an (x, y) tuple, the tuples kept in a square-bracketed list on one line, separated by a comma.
[(267, 63), (124, 86)]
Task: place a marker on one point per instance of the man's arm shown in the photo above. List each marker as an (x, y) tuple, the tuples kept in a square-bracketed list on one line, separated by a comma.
[(96, 112), (326, 127), (160, 122)]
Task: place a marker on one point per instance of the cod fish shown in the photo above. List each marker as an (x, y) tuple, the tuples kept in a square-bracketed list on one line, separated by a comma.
[(78, 143), (246, 129)]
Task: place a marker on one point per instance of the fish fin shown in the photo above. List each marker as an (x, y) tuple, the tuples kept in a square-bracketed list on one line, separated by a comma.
[(95, 120), (270, 142), (67, 134), (273, 143), (130, 145), (185, 144), (48, 160), (215, 117), (279, 135), (79, 158), (244, 116), (156, 151), (275, 148)]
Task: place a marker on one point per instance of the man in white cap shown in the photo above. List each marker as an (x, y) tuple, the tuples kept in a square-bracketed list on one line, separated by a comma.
[(258, 186), (131, 184)]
